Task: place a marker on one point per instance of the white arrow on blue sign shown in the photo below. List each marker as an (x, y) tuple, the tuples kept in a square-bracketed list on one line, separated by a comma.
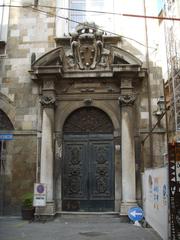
[(136, 214), (6, 136)]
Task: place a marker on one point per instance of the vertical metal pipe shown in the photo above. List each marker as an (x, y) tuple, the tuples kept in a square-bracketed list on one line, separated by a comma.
[(167, 141), (148, 89), (166, 123)]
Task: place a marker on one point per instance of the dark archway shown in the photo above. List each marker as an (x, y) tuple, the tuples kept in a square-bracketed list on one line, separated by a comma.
[(5, 123), (88, 161), (5, 126)]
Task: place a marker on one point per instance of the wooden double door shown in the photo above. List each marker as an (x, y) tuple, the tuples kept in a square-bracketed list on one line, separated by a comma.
[(88, 172)]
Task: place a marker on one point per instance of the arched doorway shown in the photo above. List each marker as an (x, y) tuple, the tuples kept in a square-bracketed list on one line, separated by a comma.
[(88, 162), (5, 126)]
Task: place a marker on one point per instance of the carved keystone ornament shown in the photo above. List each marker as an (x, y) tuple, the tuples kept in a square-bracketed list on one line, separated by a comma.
[(48, 101), (126, 99)]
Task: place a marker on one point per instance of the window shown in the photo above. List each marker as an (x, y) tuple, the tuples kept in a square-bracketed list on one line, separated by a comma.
[(105, 21), (2, 47), (76, 16), (4, 16), (160, 5), (88, 5)]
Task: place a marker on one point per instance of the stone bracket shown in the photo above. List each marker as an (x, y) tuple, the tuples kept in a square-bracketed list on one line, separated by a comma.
[(48, 101), (127, 99)]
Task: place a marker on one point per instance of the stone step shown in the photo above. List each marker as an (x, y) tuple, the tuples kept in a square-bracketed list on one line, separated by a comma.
[(90, 217)]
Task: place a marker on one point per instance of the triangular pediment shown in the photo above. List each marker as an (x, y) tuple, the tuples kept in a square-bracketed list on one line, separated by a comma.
[(85, 50), (58, 56)]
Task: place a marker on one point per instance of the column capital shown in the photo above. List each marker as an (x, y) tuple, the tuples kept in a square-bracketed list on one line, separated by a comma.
[(48, 84), (48, 101), (126, 83), (126, 99)]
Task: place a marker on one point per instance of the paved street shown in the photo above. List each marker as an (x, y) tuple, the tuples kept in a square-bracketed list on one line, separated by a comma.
[(74, 228)]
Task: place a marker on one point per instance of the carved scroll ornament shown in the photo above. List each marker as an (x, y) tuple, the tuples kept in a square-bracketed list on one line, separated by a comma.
[(48, 101), (125, 100)]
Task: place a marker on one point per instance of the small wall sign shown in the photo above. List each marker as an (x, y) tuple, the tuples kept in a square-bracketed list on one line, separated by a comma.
[(6, 137), (39, 195)]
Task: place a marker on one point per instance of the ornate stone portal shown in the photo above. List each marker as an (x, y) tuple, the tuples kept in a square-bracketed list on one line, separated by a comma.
[(90, 67)]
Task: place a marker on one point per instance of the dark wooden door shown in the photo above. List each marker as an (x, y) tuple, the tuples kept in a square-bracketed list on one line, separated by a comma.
[(88, 172)]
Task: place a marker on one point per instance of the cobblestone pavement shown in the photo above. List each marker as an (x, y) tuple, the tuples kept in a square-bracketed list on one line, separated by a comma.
[(74, 228)]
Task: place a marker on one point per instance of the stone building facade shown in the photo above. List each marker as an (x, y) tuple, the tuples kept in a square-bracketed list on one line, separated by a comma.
[(78, 108)]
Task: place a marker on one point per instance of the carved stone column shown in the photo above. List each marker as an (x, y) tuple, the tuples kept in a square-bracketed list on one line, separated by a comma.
[(126, 101), (47, 145)]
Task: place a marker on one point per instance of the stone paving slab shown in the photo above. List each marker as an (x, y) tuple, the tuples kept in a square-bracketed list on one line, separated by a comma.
[(63, 228)]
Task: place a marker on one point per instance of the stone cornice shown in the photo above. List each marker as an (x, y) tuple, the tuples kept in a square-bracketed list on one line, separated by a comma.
[(38, 72), (56, 71)]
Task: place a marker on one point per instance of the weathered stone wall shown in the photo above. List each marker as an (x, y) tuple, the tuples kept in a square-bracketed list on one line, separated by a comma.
[(29, 32), (20, 171)]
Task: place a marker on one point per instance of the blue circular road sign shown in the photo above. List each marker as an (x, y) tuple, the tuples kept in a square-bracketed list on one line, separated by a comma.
[(135, 214), (40, 188)]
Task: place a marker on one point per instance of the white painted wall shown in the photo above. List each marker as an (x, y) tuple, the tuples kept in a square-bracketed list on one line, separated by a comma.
[(161, 54), (155, 199)]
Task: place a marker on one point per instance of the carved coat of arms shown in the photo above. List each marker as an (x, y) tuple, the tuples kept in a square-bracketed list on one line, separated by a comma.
[(87, 46)]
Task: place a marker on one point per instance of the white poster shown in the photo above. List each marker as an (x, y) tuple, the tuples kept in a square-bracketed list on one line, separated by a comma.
[(155, 196)]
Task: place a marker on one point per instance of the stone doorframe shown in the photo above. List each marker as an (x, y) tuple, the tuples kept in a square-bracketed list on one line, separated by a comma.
[(126, 101), (117, 158)]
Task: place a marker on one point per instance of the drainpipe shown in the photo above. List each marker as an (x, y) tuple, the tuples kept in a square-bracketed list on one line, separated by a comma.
[(150, 163)]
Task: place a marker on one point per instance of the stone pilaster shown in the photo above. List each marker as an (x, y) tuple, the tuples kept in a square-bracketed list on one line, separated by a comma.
[(126, 101), (47, 145), (57, 171)]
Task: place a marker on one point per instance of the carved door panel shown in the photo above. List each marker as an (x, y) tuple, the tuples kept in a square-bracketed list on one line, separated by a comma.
[(74, 171), (88, 174), (101, 170)]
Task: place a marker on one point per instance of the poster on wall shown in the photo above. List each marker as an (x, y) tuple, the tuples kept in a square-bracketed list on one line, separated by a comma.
[(178, 171), (155, 195)]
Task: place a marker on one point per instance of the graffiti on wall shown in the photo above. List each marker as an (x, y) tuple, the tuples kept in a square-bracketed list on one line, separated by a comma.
[(157, 191)]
